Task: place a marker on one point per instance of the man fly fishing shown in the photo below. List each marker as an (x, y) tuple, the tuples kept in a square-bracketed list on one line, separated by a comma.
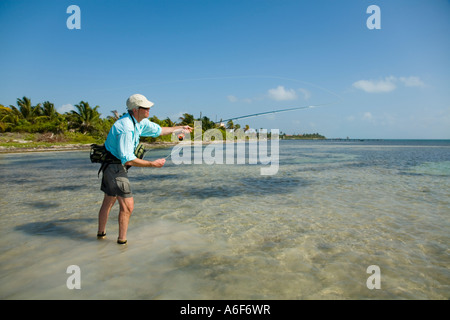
[(121, 144)]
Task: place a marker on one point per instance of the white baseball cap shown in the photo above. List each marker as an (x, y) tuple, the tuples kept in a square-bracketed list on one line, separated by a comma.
[(138, 100)]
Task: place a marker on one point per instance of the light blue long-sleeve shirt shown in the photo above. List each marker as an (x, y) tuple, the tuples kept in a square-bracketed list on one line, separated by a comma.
[(123, 138)]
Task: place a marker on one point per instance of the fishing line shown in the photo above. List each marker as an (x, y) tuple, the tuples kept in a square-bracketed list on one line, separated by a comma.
[(180, 139)]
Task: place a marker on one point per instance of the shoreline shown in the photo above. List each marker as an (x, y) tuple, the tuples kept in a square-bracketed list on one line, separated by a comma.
[(69, 147)]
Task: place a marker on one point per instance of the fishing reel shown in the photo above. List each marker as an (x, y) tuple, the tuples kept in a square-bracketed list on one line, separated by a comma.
[(180, 134)]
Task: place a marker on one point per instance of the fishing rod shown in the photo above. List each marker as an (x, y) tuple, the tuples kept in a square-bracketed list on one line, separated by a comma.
[(267, 112)]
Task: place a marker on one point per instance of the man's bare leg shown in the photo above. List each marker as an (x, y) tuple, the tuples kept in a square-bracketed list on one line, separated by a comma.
[(126, 208), (108, 202)]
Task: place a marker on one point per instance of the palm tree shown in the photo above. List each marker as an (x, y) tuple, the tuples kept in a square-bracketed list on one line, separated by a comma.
[(86, 117), (5, 114), (187, 119), (207, 123), (26, 110), (49, 110), (169, 123), (10, 115)]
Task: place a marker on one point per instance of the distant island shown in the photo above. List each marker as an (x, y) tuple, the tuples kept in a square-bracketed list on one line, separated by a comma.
[(304, 136)]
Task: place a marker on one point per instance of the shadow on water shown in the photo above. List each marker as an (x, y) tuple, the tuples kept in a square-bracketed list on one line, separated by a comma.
[(43, 205), (62, 188), (67, 228), (159, 177), (263, 186)]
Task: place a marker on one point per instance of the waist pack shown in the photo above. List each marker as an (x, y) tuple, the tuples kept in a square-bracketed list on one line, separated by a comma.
[(99, 154)]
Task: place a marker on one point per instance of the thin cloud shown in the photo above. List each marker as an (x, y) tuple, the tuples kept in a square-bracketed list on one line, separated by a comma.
[(372, 86), (388, 84), (412, 82), (65, 108), (232, 98), (280, 93)]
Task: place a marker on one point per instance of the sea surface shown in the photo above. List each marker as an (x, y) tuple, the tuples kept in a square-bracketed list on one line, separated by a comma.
[(313, 230)]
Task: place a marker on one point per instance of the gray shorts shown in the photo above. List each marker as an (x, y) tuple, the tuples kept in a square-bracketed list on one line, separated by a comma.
[(115, 181)]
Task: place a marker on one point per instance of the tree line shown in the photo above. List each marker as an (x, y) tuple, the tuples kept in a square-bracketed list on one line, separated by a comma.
[(85, 119)]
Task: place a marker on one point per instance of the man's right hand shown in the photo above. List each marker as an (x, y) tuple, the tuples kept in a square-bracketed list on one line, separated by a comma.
[(158, 163)]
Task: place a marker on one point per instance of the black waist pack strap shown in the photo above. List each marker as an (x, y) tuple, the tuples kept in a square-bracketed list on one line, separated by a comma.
[(102, 167)]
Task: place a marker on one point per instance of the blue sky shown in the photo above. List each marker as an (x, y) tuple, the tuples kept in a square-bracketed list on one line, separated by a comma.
[(229, 58)]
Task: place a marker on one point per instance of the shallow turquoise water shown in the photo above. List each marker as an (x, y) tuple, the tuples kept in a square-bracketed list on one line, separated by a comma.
[(203, 231)]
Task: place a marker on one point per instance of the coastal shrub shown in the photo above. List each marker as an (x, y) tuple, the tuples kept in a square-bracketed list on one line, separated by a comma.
[(77, 137), (51, 137)]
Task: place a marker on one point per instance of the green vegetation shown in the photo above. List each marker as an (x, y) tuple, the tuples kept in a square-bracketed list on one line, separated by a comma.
[(305, 136), (30, 126)]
